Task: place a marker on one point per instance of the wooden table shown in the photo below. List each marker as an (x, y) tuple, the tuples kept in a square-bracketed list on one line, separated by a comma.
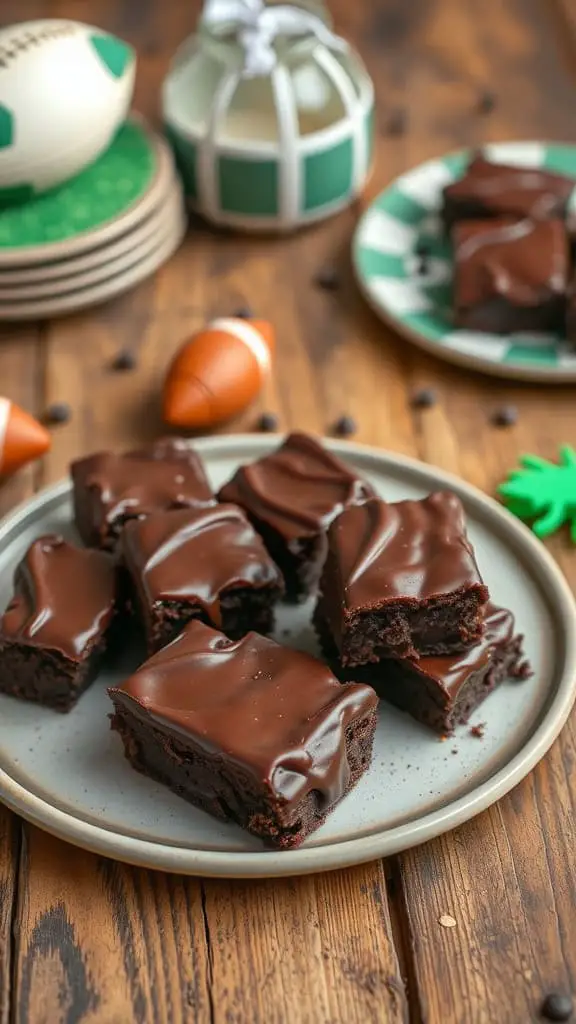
[(83, 939)]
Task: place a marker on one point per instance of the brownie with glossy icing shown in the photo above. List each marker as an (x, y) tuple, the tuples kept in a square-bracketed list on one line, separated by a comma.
[(497, 190), (510, 276), (291, 496), (401, 580), (443, 691), (252, 732), (206, 563), (109, 489), (56, 629)]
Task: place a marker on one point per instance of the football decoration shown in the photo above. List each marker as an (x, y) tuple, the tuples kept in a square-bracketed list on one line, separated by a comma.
[(22, 438), (66, 88), (218, 372)]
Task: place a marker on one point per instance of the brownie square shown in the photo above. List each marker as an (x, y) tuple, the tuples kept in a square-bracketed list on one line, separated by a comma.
[(206, 563), (442, 692), (510, 276), (401, 580), (56, 629), (110, 489), (291, 496), (252, 732), (497, 190)]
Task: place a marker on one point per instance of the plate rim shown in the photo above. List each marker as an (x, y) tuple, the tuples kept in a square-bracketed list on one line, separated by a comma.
[(507, 371), (265, 864)]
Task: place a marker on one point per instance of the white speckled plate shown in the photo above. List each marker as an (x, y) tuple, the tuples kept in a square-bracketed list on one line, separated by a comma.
[(419, 305), (68, 775)]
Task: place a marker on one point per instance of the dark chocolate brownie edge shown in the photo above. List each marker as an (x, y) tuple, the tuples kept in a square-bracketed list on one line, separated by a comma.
[(45, 676)]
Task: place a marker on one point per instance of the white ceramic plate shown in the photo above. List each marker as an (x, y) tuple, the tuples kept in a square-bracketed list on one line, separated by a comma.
[(418, 305), (68, 775)]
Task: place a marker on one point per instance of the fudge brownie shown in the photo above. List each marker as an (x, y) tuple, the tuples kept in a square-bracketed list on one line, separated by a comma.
[(401, 580), (292, 496), (110, 489), (206, 563), (510, 275), (56, 629), (252, 732), (442, 692), (496, 190)]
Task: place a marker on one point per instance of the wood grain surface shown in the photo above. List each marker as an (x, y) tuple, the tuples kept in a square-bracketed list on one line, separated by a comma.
[(85, 940)]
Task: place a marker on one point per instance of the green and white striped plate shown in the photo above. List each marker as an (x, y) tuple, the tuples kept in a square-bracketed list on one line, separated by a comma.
[(419, 305)]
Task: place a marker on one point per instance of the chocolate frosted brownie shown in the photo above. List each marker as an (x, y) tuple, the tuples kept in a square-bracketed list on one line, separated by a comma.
[(110, 490), (401, 580), (200, 563), (55, 631), (496, 190), (292, 496), (510, 275), (250, 731), (442, 692)]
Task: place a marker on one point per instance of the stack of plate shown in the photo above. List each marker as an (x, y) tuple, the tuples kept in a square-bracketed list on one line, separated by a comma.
[(95, 237)]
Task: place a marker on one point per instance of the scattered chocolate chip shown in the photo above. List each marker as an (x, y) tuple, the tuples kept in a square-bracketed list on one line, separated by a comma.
[(478, 730), (124, 360), (58, 412), (244, 313), (328, 278), (345, 426), (507, 416), (424, 398), (486, 102), (557, 1006), (268, 422), (397, 122)]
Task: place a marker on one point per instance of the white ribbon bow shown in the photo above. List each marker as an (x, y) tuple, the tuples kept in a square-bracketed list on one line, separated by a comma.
[(256, 27)]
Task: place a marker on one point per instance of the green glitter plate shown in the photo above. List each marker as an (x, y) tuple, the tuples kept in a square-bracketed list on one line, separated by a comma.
[(107, 199), (418, 305)]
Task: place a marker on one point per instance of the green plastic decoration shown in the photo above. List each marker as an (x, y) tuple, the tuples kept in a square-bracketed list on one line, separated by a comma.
[(544, 492)]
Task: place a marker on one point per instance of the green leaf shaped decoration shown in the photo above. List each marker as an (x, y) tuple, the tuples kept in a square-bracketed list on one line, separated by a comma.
[(544, 492)]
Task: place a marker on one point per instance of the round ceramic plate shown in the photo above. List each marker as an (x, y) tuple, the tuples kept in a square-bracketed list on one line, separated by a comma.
[(67, 773), (419, 305), (108, 198)]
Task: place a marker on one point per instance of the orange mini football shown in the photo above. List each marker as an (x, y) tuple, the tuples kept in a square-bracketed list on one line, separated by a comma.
[(218, 372), (22, 438)]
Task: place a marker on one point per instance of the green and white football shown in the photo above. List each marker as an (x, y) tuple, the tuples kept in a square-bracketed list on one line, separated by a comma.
[(65, 89)]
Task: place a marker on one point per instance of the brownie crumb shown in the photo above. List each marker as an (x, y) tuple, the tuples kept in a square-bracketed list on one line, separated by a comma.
[(423, 398), (244, 313), (58, 412), (557, 1006), (328, 279), (478, 730), (506, 416), (523, 671), (454, 750), (345, 426), (267, 422), (486, 102), (124, 360), (397, 122)]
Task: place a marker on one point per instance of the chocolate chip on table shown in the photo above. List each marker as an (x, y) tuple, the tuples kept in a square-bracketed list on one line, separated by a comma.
[(506, 416), (397, 122), (58, 412), (423, 398), (268, 422), (244, 313), (557, 1006), (328, 278), (345, 426), (124, 360), (486, 102)]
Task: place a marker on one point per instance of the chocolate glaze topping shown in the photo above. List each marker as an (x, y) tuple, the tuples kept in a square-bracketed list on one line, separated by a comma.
[(196, 554), (452, 671), (64, 597), (497, 190), (523, 261), (298, 489), (167, 475), (409, 550), (278, 713)]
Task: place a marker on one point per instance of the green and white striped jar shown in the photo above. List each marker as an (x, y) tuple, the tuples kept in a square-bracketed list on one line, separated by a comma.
[(275, 152)]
